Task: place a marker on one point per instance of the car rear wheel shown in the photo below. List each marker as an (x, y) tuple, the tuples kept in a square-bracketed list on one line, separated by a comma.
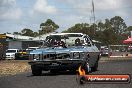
[(95, 67), (54, 71), (86, 68), (36, 71)]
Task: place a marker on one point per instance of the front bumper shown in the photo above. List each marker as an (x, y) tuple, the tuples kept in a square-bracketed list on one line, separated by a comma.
[(58, 64), (9, 57)]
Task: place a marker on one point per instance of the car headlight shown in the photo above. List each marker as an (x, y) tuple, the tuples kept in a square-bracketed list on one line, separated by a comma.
[(36, 56), (76, 55)]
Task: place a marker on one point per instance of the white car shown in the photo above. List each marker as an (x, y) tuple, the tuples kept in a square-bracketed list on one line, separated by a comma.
[(10, 53), (104, 51)]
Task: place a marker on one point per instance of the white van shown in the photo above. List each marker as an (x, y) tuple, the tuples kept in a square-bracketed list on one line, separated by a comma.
[(10, 53)]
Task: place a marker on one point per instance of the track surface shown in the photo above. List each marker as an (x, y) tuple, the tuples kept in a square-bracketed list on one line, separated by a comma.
[(67, 79)]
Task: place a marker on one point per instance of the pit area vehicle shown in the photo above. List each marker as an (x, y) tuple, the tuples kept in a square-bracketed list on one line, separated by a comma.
[(10, 53), (104, 51), (65, 52), (22, 54)]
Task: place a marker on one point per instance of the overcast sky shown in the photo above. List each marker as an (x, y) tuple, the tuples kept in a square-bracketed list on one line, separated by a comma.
[(18, 14)]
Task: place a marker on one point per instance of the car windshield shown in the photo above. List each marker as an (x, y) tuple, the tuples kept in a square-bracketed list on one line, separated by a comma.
[(67, 40), (11, 51)]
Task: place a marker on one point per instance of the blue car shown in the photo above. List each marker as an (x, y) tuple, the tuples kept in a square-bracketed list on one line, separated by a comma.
[(65, 51)]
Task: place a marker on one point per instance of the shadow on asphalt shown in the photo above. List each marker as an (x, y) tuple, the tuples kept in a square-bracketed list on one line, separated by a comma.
[(60, 73), (55, 74)]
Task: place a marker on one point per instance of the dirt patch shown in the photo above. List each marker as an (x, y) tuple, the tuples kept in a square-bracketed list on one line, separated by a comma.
[(12, 67)]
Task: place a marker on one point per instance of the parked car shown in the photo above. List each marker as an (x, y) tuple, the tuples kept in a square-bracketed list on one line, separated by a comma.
[(65, 51), (22, 54), (10, 53), (104, 51)]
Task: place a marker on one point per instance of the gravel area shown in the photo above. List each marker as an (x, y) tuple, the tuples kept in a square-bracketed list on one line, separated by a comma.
[(12, 67)]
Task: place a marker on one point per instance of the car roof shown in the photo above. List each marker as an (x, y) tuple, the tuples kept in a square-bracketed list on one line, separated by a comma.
[(13, 49), (66, 33)]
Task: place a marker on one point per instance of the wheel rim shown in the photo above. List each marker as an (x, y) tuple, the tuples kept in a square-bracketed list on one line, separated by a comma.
[(88, 68)]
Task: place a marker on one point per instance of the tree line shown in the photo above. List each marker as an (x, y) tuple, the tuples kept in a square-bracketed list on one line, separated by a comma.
[(46, 27), (111, 31)]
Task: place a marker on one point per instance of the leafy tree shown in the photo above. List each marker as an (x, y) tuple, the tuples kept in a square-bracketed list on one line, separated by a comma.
[(100, 26), (48, 26), (107, 24), (112, 31), (109, 37), (93, 28), (27, 32), (118, 25), (35, 34), (79, 28), (16, 33), (129, 28), (128, 31)]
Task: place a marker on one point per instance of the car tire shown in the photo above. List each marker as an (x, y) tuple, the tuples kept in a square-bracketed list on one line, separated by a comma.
[(54, 71), (36, 71), (95, 67), (86, 68)]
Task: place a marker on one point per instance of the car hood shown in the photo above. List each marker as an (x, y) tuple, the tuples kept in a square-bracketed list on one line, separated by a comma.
[(58, 50)]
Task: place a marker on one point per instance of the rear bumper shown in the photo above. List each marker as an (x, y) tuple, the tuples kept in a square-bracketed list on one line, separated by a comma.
[(59, 65)]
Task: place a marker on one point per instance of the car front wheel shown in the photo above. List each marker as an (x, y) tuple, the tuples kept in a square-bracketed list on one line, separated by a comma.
[(54, 71), (95, 67), (36, 71), (86, 68)]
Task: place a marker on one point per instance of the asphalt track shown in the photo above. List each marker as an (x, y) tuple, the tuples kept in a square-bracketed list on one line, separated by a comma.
[(68, 79)]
